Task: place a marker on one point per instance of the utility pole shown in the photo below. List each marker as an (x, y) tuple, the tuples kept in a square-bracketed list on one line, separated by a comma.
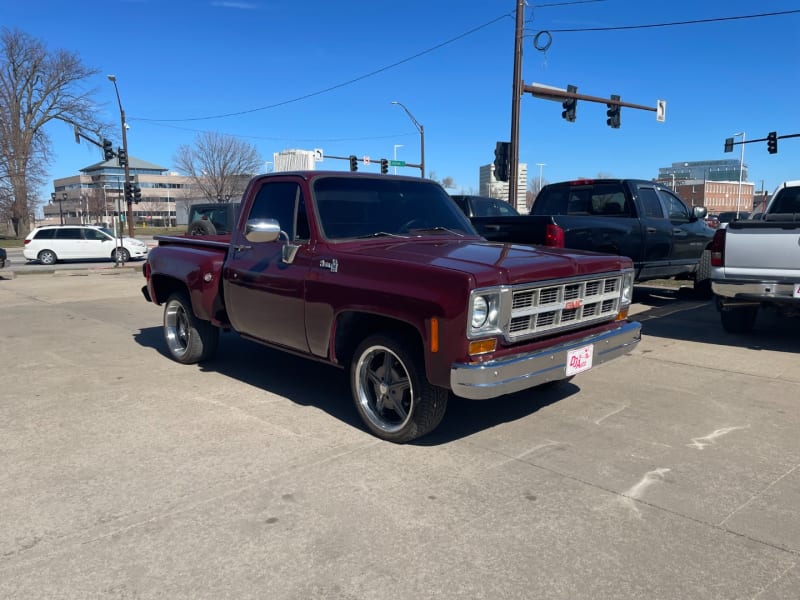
[(125, 166), (516, 95)]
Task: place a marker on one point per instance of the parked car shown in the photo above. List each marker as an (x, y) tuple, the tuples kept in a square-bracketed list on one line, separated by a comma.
[(3, 258), (216, 218), (732, 215), (712, 221), (481, 206), (640, 219), (52, 243), (755, 263)]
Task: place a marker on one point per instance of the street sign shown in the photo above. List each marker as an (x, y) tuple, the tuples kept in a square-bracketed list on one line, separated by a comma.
[(540, 90), (318, 156), (397, 163), (366, 160), (661, 110)]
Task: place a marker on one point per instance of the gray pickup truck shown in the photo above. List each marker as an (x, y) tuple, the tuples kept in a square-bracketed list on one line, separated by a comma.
[(756, 263)]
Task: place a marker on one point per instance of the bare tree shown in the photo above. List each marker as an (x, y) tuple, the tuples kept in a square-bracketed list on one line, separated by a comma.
[(219, 165), (36, 87), (96, 206), (445, 182)]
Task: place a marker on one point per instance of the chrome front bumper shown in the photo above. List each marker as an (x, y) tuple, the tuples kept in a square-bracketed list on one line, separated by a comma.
[(481, 381)]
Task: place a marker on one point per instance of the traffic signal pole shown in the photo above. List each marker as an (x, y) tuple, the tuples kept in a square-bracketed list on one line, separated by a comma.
[(516, 96), (128, 201)]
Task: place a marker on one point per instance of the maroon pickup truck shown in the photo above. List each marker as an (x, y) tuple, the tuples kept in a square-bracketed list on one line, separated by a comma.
[(385, 276)]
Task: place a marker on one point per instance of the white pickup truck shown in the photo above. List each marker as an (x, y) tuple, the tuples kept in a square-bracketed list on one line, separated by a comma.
[(756, 263)]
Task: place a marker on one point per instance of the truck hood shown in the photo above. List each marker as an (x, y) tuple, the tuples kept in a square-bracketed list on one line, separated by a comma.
[(491, 263)]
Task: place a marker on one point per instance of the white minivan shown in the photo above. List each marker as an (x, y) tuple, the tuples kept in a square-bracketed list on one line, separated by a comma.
[(51, 243)]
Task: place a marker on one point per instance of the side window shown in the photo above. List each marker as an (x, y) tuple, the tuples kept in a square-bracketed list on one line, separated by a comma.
[(284, 202), (483, 208), (551, 201), (95, 235), (651, 205), (504, 209), (45, 234), (69, 233), (676, 209)]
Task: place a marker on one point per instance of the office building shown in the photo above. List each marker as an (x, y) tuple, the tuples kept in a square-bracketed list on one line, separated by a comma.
[(492, 188)]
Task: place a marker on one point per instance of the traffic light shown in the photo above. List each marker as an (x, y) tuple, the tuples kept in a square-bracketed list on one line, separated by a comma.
[(122, 157), (501, 156), (772, 142), (384, 166), (353, 162), (137, 194), (128, 193), (728, 144), (570, 104), (108, 150), (613, 113)]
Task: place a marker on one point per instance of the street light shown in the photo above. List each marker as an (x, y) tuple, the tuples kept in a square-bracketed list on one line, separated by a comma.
[(540, 165), (396, 146), (421, 130), (741, 169), (124, 126)]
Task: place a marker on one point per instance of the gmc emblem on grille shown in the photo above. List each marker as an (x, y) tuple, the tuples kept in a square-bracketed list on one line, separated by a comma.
[(573, 304)]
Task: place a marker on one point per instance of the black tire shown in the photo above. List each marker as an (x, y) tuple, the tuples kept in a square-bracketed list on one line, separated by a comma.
[(124, 255), (391, 392), (202, 227), (739, 319), (702, 277), (189, 339), (47, 257)]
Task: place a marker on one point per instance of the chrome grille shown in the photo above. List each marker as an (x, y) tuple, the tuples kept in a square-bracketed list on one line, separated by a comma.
[(537, 311)]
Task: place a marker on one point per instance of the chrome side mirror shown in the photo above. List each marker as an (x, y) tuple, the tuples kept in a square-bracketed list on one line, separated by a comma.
[(269, 230), (262, 230)]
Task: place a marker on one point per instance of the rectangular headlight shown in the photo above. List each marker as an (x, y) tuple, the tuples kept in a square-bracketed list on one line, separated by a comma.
[(483, 316), (626, 294)]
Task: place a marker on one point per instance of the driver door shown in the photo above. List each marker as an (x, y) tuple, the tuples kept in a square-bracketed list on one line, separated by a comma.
[(264, 295)]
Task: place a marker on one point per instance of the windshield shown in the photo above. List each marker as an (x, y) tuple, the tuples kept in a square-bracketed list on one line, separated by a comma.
[(350, 207)]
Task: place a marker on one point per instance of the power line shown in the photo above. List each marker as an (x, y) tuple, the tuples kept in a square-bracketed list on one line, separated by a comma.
[(455, 39), (338, 85), (675, 23)]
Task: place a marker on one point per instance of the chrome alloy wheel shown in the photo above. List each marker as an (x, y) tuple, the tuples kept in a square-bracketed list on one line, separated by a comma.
[(384, 389), (176, 328)]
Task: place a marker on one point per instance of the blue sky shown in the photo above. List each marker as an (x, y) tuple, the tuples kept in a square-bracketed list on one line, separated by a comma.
[(178, 62)]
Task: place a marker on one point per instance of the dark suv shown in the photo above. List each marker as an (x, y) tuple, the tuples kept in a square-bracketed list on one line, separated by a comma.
[(481, 206)]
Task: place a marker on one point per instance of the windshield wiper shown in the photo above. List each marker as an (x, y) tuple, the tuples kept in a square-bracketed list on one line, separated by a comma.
[(438, 229), (381, 234)]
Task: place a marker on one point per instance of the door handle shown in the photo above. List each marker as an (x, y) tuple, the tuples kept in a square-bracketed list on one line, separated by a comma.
[(242, 248), (651, 230)]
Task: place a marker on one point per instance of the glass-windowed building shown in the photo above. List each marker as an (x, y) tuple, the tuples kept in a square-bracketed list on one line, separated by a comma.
[(97, 193), (702, 170)]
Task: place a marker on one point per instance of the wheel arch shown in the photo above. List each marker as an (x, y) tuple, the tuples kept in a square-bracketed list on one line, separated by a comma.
[(163, 286), (351, 327)]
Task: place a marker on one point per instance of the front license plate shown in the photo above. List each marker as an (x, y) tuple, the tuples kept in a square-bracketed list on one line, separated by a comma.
[(796, 292), (580, 359)]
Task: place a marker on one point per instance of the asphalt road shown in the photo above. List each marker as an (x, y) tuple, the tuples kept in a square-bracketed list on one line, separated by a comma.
[(673, 472)]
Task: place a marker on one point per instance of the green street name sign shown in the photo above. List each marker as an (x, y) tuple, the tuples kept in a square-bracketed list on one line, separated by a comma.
[(397, 163)]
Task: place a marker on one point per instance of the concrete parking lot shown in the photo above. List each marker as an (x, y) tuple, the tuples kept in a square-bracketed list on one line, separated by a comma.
[(673, 472)]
